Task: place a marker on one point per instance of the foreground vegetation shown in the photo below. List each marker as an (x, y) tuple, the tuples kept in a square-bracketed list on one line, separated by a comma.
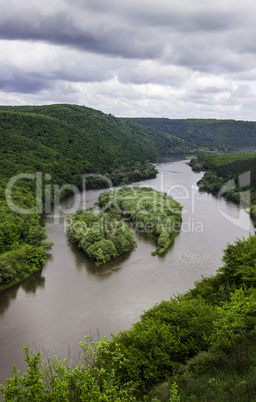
[(195, 347), (102, 237), (150, 211), (231, 175)]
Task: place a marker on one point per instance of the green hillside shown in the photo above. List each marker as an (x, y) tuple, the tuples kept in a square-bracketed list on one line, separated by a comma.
[(98, 141), (211, 134), (65, 142)]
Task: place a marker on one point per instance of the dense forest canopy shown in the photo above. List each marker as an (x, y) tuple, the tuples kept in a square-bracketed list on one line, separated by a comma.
[(102, 237), (210, 134), (96, 141), (124, 212), (150, 211)]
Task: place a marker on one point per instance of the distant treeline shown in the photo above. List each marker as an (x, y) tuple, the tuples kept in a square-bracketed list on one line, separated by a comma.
[(89, 140), (209, 134)]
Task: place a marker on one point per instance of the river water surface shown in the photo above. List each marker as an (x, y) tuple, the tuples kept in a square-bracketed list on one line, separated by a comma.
[(70, 297)]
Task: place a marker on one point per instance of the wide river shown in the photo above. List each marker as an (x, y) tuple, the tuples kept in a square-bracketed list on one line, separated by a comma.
[(69, 298)]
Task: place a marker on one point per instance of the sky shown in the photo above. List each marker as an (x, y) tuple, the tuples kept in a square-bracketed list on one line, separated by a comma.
[(131, 58)]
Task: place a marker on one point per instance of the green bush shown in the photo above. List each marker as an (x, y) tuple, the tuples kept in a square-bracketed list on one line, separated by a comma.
[(33, 258), (167, 335), (162, 239), (240, 262)]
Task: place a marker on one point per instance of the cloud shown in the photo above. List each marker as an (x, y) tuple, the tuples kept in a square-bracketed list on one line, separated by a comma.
[(166, 58), (23, 83), (84, 34)]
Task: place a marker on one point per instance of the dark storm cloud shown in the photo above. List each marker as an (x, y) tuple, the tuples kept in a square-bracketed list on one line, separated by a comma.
[(116, 29), (63, 30), (24, 83), (20, 81), (198, 37), (184, 16), (130, 54)]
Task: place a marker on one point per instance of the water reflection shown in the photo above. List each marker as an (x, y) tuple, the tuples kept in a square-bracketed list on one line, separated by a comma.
[(71, 297), (83, 262), (29, 285), (33, 282), (7, 296)]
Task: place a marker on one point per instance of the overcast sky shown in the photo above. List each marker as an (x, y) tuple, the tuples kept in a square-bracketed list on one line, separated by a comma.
[(163, 58)]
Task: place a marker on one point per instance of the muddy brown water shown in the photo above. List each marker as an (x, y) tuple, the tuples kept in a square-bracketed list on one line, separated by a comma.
[(69, 298)]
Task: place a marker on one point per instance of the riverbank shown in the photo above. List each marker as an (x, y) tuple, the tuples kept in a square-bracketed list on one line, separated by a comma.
[(208, 331), (232, 176), (69, 297), (19, 219)]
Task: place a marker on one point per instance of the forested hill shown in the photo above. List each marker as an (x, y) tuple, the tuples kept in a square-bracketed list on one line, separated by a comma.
[(96, 141), (211, 134)]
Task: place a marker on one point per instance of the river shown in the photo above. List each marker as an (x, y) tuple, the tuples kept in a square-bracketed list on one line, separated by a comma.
[(69, 298)]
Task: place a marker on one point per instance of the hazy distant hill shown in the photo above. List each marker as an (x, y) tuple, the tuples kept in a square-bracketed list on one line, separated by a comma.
[(217, 135)]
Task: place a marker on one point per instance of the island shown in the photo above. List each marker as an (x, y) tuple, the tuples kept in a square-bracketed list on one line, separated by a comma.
[(110, 234), (101, 237), (146, 210)]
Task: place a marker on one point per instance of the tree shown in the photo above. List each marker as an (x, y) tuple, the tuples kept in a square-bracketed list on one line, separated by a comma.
[(162, 239), (105, 240), (240, 262), (7, 274), (36, 235), (34, 258), (236, 320)]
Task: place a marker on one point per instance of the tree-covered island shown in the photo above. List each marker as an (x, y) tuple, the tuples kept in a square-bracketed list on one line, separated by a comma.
[(148, 211), (106, 236), (102, 237)]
